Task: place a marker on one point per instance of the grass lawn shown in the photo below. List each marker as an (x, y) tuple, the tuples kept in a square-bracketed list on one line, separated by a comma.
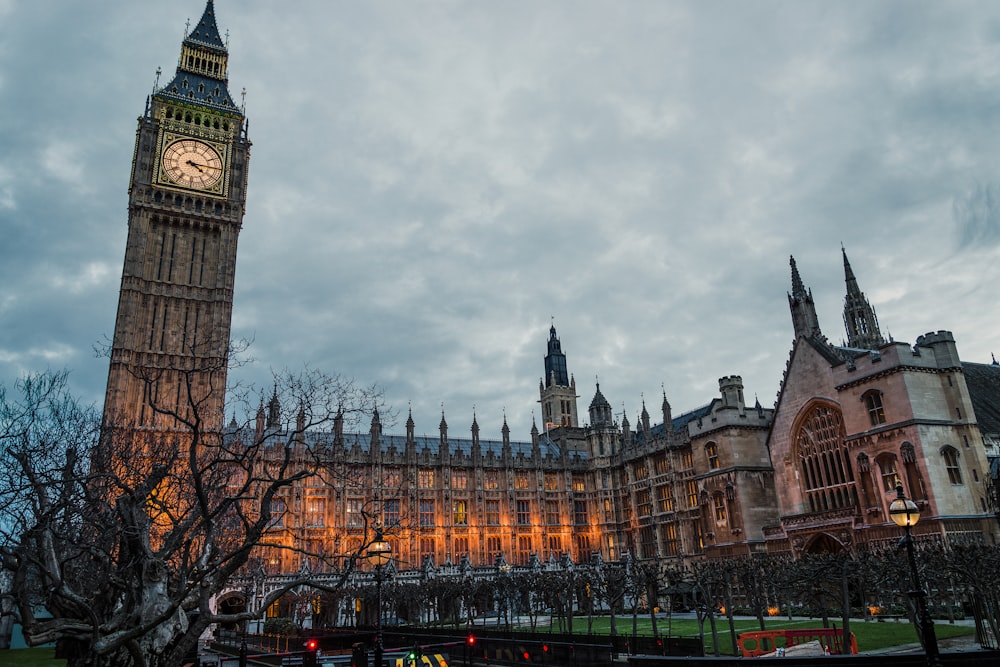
[(870, 635), (30, 657)]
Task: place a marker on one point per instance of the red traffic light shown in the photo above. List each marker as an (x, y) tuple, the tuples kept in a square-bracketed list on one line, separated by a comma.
[(545, 648), (471, 640), (312, 645)]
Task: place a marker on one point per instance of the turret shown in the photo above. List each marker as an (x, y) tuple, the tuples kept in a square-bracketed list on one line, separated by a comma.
[(731, 388), (667, 417)]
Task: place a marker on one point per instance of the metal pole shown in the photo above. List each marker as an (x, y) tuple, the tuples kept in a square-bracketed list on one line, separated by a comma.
[(924, 623), (378, 617)]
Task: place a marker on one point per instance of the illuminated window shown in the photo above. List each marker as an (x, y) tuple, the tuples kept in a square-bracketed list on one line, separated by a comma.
[(712, 452), (719, 502), (521, 481), (491, 480), (873, 401), (698, 535), (950, 456), (355, 514), (687, 459), (692, 493), (461, 516), (426, 513), (551, 482), (524, 512), (639, 470), (661, 464), (459, 479), (315, 512), (665, 498), (425, 479), (671, 544), (579, 483)]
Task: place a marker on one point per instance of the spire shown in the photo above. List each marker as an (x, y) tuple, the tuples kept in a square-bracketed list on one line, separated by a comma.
[(202, 70), (274, 410), (600, 409), (859, 316), (668, 425), (555, 362), (800, 302), (443, 427)]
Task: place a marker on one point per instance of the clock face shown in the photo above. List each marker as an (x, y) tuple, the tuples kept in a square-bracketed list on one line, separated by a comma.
[(192, 164)]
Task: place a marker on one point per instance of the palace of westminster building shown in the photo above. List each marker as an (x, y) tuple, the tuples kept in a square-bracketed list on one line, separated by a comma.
[(815, 472)]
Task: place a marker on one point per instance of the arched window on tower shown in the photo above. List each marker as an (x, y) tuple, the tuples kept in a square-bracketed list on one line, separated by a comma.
[(873, 403), (712, 452), (719, 508), (826, 473), (950, 456)]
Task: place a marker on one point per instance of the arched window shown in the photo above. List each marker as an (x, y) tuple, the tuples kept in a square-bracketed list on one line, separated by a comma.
[(873, 402), (712, 452), (950, 456), (889, 469), (719, 504), (825, 471), (914, 482)]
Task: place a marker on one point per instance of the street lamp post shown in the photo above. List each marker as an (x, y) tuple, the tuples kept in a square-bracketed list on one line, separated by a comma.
[(905, 514), (379, 552)]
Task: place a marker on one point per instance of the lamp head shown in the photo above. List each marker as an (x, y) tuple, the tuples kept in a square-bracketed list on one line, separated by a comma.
[(903, 511), (379, 552)]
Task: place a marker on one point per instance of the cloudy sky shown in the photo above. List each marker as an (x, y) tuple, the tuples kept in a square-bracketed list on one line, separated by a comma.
[(432, 182)]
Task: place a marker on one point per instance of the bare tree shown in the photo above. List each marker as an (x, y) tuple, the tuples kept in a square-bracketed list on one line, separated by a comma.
[(124, 537)]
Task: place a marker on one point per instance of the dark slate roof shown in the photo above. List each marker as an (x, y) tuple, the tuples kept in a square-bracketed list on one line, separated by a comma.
[(195, 88), (206, 33), (363, 442), (599, 400), (984, 390), (679, 422)]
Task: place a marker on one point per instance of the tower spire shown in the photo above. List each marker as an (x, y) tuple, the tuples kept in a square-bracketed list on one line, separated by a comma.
[(800, 302), (859, 316)]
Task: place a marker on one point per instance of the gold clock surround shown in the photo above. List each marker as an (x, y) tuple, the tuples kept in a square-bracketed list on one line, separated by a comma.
[(192, 164)]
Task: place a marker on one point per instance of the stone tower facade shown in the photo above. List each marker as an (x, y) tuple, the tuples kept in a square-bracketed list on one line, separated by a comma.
[(187, 199), (557, 390)]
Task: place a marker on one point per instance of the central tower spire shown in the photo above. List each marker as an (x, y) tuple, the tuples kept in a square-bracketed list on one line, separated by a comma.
[(859, 316)]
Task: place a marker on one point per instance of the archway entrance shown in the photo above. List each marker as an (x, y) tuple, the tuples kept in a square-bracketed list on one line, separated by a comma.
[(824, 543)]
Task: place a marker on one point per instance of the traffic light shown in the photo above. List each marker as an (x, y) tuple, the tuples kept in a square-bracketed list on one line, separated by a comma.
[(312, 645), (471, 640), (415, 655)]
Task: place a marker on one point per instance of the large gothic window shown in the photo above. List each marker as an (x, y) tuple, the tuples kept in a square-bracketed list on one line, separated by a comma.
[(950, 456), (826, 474)]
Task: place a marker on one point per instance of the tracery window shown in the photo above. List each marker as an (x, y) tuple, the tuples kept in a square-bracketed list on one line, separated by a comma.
[(461, 515), (665, 498), (825, 471)]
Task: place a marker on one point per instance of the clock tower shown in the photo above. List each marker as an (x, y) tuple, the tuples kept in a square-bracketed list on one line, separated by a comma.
[(187, 197)]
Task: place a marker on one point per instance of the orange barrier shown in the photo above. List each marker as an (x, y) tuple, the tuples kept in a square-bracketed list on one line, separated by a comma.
[(753, 644)]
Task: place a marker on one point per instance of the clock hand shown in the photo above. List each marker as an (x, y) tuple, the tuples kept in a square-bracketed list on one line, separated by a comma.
[(199, 166)]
